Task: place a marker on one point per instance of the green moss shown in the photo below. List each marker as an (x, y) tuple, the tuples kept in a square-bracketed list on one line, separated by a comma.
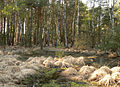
[(42, 77)]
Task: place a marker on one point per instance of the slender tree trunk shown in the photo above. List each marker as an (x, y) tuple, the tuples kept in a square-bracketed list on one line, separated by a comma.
[(99, 24), (112, 15), (20, 28), (73, 25), (4, 30), (58, 22), (93, 27), (41, 41), (22, 32), (48, 37), (53, 23), (38, 26), (8, 31), (30, 31), (1, 24), (13, 38), (65, 27), (78, 19), (1, 28), (11, 28)]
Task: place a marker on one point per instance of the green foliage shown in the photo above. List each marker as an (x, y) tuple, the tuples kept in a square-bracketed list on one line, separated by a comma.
[(68, 84), (113, 42), (73, 84), (42, 77), (36, 3), (48, 78), (59, 54), (81, 44), (9, 9), (51, 84)]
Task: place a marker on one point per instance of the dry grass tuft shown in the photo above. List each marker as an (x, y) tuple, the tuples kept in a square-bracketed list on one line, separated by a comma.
[(107, 81), (80, 61), (58, 64), (71, 60), (97, 75), (69, 71), (75, 78), (106, 69), (39, 60), (116, 76), (66, 65), (26, 72), (115, 69), (86, 71), (12, 69), (49, 63)]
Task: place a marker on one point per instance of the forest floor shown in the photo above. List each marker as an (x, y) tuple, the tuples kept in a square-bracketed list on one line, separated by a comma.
[(16, 60), (95, 57)]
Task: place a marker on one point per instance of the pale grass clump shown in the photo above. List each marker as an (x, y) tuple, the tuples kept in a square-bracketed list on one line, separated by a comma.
[(116, 76), (27, 72), (115, 69), (76, 78), (100, 73), (58, 64), (1, 52), (11, 69), (36, 60), (71, 60), (106, 69), (97, 75), (80, 61), (107, 81), (86, 71), (65, 65), (50, 58), (49, 64), (30, 66), (69, 71), (10, 61)]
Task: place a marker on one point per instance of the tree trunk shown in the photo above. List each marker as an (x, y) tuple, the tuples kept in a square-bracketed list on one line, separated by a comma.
[(41, 41), (93, 27), (22, 32), (48, 37), (73, 24), (112, 16), (4, 30), (78, 20), (8, 31), (65, 27), (99, 24), (30, 31), (38, 26), (58, 22)]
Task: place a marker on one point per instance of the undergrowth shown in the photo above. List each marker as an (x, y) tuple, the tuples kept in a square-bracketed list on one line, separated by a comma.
[(49, 78)]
